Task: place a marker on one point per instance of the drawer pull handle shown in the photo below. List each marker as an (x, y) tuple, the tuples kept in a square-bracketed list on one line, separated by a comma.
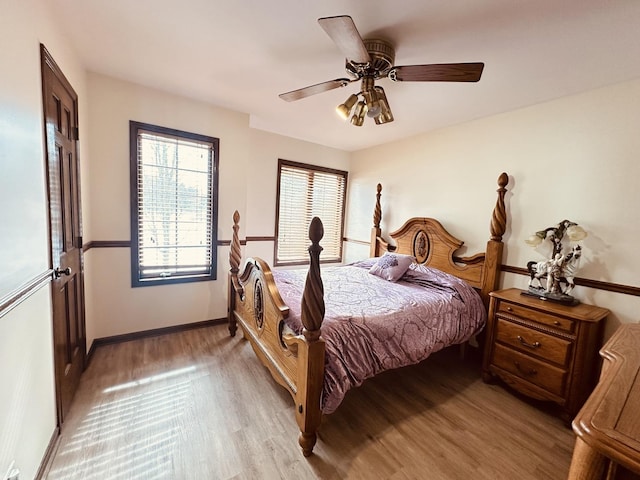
[(527, 344), (556, 323), (509, 309), (529, 372)]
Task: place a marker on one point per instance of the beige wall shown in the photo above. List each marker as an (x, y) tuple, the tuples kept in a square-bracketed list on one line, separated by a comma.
[(575, 158), (27, 402), (248, 170)]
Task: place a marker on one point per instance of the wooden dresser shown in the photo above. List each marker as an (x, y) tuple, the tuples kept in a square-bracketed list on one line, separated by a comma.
[(547, 351), (608, 425)]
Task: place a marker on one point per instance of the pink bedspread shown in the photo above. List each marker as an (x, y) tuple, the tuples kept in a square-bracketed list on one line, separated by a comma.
[(372, 325)]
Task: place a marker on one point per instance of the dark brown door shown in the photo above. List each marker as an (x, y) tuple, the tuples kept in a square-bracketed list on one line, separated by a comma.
[(61, 121)]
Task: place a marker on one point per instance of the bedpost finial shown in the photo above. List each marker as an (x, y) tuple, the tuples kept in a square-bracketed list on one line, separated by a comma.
[(499, 218), (377, 212), (313, 295), (503, 180), (235, 254), (316, 230)]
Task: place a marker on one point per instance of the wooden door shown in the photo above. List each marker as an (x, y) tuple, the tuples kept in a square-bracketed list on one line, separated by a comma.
[(61, 133)]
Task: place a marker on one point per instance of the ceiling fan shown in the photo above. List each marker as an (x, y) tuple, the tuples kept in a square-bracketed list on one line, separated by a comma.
[(371, 60)]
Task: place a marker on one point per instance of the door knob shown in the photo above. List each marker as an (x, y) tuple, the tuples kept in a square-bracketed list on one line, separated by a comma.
[(58, 272)]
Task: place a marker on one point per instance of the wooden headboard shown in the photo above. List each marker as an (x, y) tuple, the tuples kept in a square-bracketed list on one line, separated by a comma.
[(431, 244)]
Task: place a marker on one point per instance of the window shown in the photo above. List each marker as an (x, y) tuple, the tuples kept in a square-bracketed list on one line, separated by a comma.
[(174, 205), (304, 192)]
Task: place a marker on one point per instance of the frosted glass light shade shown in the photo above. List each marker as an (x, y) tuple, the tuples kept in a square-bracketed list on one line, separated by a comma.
[(576, 233), (533, 241)]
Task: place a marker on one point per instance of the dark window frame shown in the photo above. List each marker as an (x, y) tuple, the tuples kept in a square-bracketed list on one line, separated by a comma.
[(136, 279), (311, 169)]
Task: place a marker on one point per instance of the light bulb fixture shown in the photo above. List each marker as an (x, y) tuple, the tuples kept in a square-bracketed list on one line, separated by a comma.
[(344, 109), (374, 107), (385, 115), (370, 97), (373, 104), (358, 114)]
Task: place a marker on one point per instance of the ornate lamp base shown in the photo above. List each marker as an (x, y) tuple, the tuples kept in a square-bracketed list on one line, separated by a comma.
[(542, 294)]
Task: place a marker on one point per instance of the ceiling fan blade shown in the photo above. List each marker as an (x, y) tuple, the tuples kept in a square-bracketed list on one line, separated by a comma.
[(443, 72), (314, 89), (345, 35)]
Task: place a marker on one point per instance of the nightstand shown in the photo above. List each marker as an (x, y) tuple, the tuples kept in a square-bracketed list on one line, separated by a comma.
[(544, 350)]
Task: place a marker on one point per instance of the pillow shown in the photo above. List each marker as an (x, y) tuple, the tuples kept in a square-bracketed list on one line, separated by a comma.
[(391, 266)]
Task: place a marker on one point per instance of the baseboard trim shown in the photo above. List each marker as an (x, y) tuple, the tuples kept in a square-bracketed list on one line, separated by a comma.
[(127, 337), (49, 455)]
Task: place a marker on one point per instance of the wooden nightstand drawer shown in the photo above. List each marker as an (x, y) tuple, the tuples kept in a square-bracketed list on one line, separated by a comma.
[(547, 347), (560, 323), (534, 371)]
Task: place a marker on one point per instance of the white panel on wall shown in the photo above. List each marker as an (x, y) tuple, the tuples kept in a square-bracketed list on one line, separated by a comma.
[(27, 399), (23, 221), (27, 403)]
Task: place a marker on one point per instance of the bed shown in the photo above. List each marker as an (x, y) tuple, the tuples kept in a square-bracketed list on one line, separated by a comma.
[(281, 312)]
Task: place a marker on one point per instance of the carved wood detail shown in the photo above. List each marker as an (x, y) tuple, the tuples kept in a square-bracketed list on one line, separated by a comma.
[(235, 256), (313, 296), (377, 211), (499, 217), (375, 240)]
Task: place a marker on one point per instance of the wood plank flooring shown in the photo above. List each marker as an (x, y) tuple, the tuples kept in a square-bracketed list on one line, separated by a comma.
[(198, 405)]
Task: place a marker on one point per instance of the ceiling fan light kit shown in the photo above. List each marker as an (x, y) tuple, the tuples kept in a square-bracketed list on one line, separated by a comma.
[(358, 114), (344, 109), (374, 104), (385, 112), (371, 60)]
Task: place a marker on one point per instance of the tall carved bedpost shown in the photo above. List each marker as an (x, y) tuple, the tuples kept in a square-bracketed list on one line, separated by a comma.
[(313, 296), (376, 232), (234, 286), (493, 256), (311, 358)]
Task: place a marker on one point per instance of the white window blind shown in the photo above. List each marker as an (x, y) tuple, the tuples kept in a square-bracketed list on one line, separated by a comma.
[(175, 207), (306, 192)]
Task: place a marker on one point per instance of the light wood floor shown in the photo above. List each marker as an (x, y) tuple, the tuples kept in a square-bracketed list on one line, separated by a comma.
[(198, 405)]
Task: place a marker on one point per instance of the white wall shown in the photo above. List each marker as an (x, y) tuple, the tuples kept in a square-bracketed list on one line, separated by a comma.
[(27, 402), (573, 158), (247, 183)]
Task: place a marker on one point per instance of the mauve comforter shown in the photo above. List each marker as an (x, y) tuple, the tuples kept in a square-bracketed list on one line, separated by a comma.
[(372, 325)]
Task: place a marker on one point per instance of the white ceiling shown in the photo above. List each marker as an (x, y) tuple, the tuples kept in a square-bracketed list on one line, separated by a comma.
[(241, 54)]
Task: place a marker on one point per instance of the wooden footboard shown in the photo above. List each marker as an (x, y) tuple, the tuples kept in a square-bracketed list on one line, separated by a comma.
[(295, 361)]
